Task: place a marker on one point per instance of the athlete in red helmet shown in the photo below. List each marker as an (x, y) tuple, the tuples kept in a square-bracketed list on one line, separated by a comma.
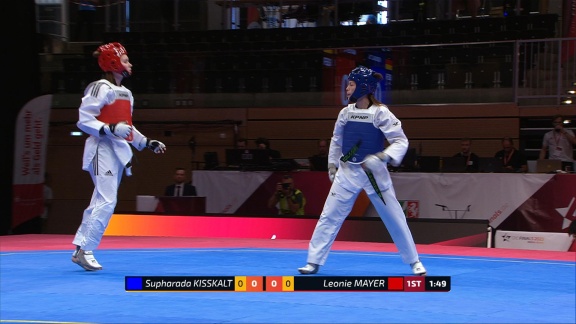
[(105, 114)]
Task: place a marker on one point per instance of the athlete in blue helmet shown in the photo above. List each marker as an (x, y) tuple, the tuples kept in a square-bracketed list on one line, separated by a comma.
[(357, 161)]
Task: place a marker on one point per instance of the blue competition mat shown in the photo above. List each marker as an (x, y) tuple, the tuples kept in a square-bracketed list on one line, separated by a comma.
[(45, 287)]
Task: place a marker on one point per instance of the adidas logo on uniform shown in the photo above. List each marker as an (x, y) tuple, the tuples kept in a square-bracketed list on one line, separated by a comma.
[(108, 173)]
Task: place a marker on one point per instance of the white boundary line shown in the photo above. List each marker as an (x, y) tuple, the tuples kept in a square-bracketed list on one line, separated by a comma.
[(250, 250)]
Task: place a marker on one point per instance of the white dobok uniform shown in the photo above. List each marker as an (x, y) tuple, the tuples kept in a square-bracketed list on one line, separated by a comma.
[(105, 157), (369, 129)]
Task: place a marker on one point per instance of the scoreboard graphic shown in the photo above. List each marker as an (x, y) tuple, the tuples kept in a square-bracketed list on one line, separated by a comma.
[(287, 284)]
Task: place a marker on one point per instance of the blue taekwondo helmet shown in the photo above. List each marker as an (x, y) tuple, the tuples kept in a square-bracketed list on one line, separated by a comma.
[(366, 82)]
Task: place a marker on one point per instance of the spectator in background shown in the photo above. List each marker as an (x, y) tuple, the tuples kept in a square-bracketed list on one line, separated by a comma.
[(255, 24), (371, 20), (512, 159), (180, 187), (241, 143), (85, 20), (469, 159), (558, 144), (287, 199), (263, 144), (319, 161)]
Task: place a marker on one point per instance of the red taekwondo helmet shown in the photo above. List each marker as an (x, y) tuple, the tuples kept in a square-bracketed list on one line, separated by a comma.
[(366, 82), (109, 58)]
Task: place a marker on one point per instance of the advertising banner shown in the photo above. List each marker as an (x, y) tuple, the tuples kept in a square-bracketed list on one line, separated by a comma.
[(569, 46), (533, 240), (31, 140)]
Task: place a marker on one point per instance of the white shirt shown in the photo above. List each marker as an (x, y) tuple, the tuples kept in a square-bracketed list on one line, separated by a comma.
[(559, 147)]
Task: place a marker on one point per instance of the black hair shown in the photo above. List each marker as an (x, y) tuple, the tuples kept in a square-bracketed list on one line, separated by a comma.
[(556, 117), (262, 140), (509, 139)]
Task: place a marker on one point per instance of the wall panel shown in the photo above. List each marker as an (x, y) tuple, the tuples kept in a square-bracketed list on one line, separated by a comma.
[(432, 130)]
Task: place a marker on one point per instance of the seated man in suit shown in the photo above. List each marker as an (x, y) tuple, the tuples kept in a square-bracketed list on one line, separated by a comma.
[(180, 188)]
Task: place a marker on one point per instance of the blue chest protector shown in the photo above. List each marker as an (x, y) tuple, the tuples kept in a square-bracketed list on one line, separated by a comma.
[(361, 138)]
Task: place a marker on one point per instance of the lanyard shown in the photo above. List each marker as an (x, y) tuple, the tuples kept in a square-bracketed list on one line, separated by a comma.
[(507, 158), (467, 157), (557, 139)]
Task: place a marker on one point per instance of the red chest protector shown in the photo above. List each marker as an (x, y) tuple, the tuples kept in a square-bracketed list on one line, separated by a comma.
[(116, 112)]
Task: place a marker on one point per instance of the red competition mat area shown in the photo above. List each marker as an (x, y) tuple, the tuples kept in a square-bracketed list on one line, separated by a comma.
[(39, 242)]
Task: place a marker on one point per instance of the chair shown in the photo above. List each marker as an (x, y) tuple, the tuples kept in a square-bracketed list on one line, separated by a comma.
[(160, 82), (453, 165), (405, 40), (506, 35), (278, 80), (429, 163), (138, 83), (535, 34), (194, 37), (430, 39), (109, 37), (212, 82), (482, 37), (302, 79), (230, 82), (153, 38), (455, 38), (174, 37), (483, 74), (439, 56), (131, 38), (455, 76), (419, 57)]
